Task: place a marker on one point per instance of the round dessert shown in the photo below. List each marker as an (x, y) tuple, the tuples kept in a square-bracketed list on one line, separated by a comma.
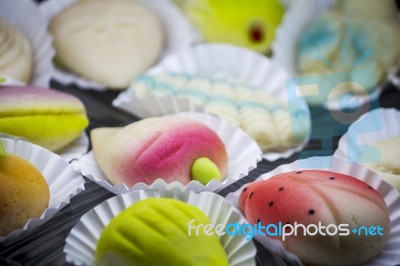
[(16, 56), (49, 118), (171, 148), (154, 232), (337, 211), (107, 41), (383, 157), (24, 193)]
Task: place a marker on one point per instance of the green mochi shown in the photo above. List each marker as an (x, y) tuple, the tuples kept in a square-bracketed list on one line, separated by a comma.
[(204, 170), (154, 232)]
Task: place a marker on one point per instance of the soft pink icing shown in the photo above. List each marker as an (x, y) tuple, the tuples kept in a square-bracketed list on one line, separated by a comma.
[(20, 100), (169, 154)]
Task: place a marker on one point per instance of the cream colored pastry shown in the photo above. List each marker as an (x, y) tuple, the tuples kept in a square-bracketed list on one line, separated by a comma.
[(384, 157), (16, 56), (267, 120), (108, 41)]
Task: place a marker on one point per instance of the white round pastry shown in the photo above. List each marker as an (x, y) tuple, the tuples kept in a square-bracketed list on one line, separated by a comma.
[(107, 41), (383, 157), (16, 58)]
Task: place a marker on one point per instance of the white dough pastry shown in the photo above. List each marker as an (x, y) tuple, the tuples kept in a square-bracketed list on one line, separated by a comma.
[(16, 56), (386, 161), (108, 41)]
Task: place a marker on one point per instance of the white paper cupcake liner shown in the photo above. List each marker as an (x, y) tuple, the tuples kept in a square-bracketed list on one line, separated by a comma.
[(63, 181), (71, 152), (80, 247), (389, 255), (76, 149), (23, 15), (178, 32), (297, 17), (8, 81), (374, 126), (243, 156), (217, 60)]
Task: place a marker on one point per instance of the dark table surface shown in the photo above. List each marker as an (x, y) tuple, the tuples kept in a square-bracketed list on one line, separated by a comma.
[(44, 245)]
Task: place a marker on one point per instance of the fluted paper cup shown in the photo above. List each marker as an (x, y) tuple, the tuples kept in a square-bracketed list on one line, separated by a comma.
[(374, 126), (80, 247), (6, 81), (76, 149), (63, 181)]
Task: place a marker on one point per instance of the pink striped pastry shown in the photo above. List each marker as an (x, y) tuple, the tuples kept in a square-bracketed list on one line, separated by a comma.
[(171, 148)]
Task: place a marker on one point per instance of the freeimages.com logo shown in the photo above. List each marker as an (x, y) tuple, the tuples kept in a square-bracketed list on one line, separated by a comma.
[(282, 230)]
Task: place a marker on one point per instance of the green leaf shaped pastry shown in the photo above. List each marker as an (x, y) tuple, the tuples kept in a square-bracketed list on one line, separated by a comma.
[(155, 232)]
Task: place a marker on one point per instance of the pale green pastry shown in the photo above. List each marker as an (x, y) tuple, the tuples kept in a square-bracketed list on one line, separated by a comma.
[(204, 170), (154, 232)]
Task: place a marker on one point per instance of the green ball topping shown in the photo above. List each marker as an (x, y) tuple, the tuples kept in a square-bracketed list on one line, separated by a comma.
[(204, 170)]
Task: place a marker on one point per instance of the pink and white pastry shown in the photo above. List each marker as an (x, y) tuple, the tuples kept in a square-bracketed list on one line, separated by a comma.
[(172, 148), (321, 198)]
